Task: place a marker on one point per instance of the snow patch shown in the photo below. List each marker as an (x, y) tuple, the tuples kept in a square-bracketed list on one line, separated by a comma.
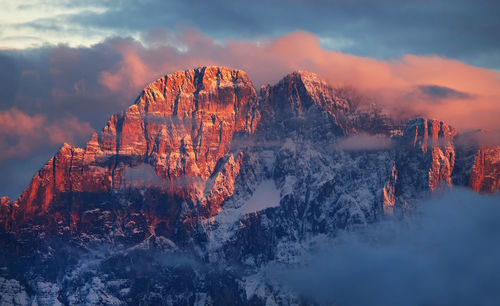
[(223, 226), (266, 195)]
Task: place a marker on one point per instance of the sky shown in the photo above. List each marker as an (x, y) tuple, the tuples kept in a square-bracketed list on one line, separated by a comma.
[(66, 66)]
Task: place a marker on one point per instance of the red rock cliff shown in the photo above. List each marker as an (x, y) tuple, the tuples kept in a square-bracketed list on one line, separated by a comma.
[(181, 125), (434, 139), (485, 174)]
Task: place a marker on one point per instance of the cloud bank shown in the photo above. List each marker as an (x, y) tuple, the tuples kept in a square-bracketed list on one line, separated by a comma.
[(464, 96), (445, 254), (56, 86), (363, 142), (461, 29)]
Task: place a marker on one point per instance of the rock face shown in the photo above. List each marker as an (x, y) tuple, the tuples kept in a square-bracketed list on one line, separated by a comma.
[(390, 192), (478, 162), (425, 159), (180, 126), (5, 209), (485, 174), (287, 106), (202, 165)]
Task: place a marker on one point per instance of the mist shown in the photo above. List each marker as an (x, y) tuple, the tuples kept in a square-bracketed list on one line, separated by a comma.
[(445, 253), (363, 141)]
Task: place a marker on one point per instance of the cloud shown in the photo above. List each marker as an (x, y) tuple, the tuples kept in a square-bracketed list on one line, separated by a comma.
[(466, 30), (441, 92), (90, 83), (363, 142), (142, 175), (145, 175), (482, 137), (109, 75), (28, 142), (469, 97), (35, 23), (446, 253), (21, 134)]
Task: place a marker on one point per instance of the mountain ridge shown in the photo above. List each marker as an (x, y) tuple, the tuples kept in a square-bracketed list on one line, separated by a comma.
[(187, 169), (174, 101)]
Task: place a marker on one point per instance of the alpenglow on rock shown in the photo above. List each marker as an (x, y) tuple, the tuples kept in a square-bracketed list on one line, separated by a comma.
[(203, 164)]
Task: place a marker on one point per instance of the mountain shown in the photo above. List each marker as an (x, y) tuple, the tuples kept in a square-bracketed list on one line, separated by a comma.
[(187, 195)]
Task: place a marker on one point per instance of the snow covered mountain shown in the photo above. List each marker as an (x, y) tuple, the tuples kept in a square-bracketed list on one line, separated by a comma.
[(187, 195)]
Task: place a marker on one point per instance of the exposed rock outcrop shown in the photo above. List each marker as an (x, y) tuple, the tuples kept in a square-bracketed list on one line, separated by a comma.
[(181, 125), (485, 173), (425, 159)]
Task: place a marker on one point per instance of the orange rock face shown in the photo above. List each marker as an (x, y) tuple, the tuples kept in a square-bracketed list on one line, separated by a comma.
[(436, 138), (389, 192), (5, 210), (181, 125), (485, 174)]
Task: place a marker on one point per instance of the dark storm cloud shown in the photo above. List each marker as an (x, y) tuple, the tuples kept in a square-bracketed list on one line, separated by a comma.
[(440, 92), (17, 172), (9, 78), (49, 96), (445, 254), (61, 81), (466, 30)]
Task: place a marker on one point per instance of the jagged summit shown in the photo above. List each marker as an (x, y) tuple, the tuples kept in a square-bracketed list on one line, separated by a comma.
[(430, 126), (210, 79), (305, 76), (298, 91), (308, 78), (181, 90), (180, 126), (204, 77)]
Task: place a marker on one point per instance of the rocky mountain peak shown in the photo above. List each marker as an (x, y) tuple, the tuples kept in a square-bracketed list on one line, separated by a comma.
[(480, 156), (428, 133), (192, 102), (429, 144), (201, 79), (485, 172), (202, 165), (208, 89), (301, 102), (180, 126), (313, 90), (306, 77)]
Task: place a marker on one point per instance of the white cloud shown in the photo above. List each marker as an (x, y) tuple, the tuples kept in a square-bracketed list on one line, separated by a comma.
[(34, 23)]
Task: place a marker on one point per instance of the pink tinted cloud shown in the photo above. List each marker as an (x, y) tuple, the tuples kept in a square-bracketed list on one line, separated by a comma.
[(390, 83), (132, 70), (22, 134)]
